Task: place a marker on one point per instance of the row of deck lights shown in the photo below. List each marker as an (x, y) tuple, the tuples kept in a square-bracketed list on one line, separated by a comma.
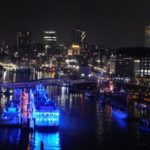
[(47, 114), (47, 121)]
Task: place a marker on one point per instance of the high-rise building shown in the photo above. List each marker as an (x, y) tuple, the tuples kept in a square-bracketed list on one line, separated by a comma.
[(24, 40), (50, 39), (145, 66), (124, 67), (80, 38), (147, 36)]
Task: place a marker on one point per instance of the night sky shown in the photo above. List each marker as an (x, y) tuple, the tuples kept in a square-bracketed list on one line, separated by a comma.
[(112, 23)]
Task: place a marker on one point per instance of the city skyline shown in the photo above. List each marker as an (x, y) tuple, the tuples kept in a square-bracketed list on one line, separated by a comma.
[(112, 24)]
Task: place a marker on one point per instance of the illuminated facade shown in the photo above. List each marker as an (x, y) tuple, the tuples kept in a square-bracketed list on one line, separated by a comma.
[(111, 64), (74, 50), (49, 39), (142, 67), (136, 67), (72, 63), (145, 67)]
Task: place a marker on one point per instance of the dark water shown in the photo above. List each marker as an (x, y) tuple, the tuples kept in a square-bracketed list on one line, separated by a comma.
[(84, 124)]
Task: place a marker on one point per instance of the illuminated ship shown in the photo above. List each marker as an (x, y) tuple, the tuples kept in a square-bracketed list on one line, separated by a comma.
[(11, 114), (45, 112)]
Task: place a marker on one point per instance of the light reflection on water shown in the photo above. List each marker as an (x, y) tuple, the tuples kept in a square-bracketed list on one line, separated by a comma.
[(10, 76), (84, 124), (51, 141), (9, 138)]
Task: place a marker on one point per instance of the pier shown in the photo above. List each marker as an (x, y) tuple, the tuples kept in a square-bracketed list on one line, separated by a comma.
[(29, 111)]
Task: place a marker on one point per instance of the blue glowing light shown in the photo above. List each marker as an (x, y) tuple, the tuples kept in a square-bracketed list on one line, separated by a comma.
[(50, 140), (11, 112), (12, 109), (120, 117), (121, 122), (120, 114)]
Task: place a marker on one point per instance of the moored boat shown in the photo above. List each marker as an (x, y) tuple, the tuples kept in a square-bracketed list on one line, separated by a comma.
[(11, 114), (45, 112)]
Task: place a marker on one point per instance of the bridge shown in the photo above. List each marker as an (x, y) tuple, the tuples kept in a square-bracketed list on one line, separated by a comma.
[(47, 81)]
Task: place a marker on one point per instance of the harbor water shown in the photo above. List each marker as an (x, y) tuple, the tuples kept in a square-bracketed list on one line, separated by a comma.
[(85, 123)]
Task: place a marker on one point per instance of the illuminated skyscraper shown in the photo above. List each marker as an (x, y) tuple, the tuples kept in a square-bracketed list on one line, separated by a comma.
[(147, 36), (80, 38), (50, 39)]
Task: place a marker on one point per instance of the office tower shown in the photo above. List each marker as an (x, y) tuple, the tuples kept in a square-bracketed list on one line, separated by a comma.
[(80, 38), (49, 39), (24, 40), (124, 67), (147, 36), (145, 66)]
